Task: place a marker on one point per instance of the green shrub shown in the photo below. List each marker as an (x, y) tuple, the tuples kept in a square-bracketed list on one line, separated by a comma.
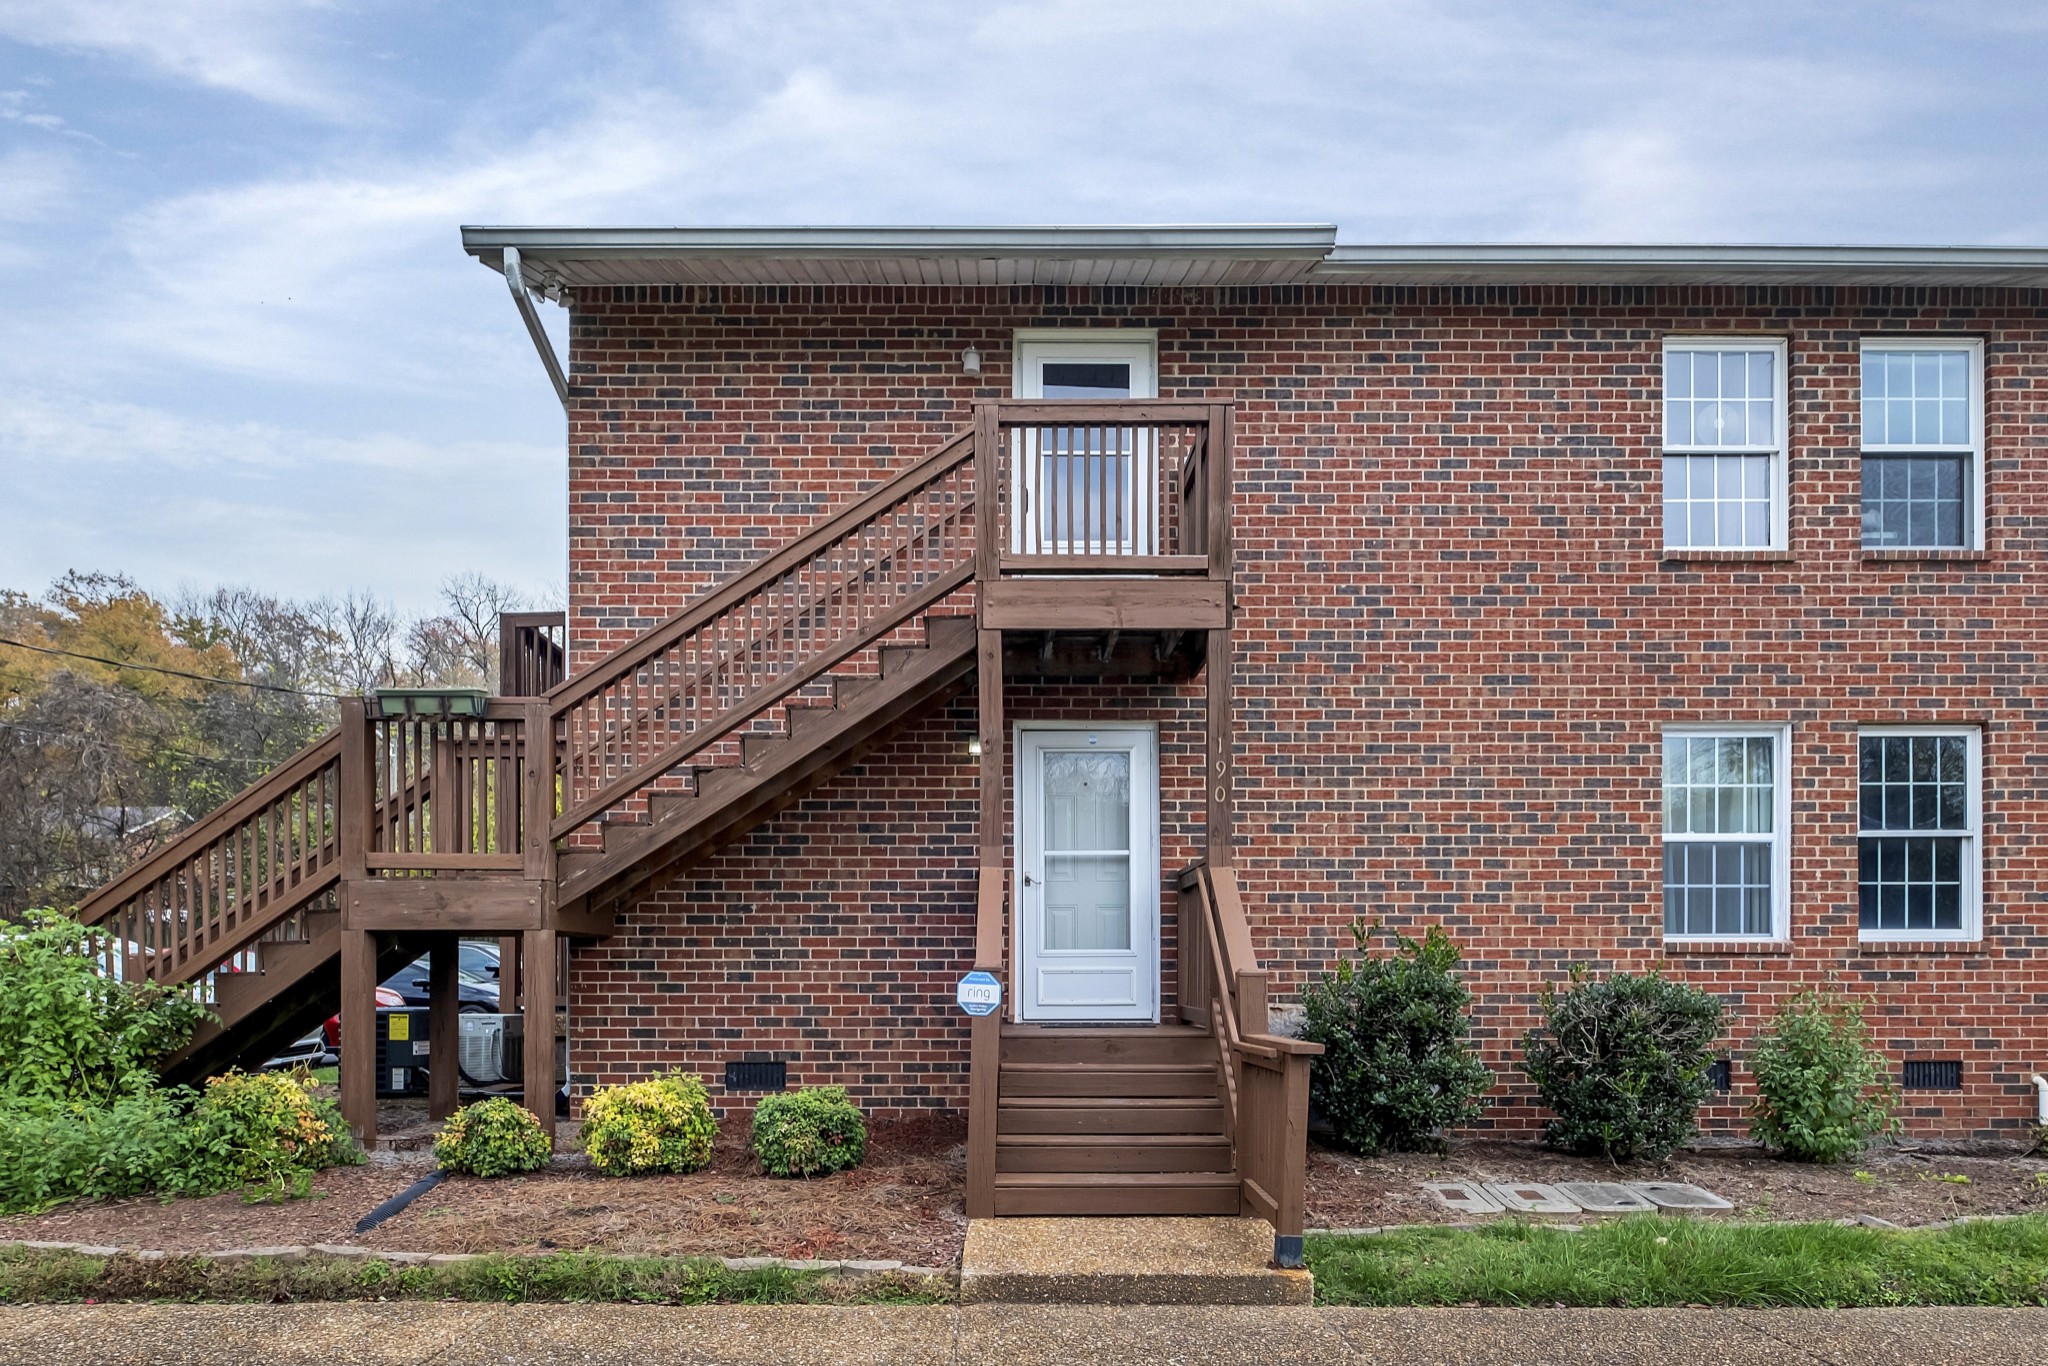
[(812, 1132), (1396, 1070), (1823, 1093), (1623, 1062), (263, 1129), (494, 1137), (53, 1153), (69, 1033), (662, 1124)]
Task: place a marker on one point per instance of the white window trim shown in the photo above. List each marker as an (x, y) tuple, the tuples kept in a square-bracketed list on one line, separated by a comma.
[(1973, 347), (1781, 832), (1972, 837), (1138, 345), (1779, 451)]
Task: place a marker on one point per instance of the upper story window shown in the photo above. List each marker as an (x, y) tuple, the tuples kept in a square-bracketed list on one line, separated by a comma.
[(1917, 802), (1923, 444), (1727, 813), (1724, 444)]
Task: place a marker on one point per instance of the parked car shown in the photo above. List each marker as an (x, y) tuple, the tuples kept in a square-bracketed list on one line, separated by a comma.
[(476, 977), (311, 1051)]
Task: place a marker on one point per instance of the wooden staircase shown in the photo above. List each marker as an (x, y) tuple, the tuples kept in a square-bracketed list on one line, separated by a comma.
[(1111, 1120)]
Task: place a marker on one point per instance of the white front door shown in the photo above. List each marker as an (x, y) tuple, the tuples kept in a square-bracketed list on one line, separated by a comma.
[(1084, 490), (1087, 874)]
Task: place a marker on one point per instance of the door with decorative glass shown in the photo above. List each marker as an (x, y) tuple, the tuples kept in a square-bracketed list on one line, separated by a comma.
[(1087, 874)]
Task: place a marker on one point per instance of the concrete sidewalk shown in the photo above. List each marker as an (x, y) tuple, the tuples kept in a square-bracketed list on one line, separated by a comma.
[(1001, 1335)]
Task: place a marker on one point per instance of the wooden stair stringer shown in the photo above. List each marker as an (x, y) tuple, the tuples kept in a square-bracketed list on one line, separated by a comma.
[(785, 766)]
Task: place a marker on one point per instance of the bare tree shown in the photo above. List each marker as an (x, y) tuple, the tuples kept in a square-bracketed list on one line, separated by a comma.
[(365, 633), (459, 648)]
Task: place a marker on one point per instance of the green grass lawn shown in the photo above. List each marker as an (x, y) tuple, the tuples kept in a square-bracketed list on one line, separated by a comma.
[(1648, 1260), (30, 1276), (327, 1076)]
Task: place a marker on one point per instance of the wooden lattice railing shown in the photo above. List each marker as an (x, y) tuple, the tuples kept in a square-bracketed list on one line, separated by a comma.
[(635, 716), (226, 881), (1265, 1077)]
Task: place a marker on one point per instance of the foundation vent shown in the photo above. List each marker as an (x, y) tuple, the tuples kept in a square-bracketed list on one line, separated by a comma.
[(1722, 1074), (756, 1074), (1945, 1075)]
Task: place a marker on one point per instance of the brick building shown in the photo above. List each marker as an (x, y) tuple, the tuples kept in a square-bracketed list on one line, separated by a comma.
[(1507, 613), (1618, 607)]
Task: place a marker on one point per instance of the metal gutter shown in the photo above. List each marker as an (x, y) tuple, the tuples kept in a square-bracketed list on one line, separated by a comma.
[(1684, 264), (516, 282)]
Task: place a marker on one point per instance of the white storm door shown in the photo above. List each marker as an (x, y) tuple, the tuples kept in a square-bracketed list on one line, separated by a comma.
[(1087, 874), (1086, 489)]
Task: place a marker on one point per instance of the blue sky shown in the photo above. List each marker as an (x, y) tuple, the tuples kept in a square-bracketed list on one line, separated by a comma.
[(243, 344)]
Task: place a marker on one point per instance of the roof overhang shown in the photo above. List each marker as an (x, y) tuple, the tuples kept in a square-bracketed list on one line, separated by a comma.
[(1194, 255), (1248, 254), (2025, 267)]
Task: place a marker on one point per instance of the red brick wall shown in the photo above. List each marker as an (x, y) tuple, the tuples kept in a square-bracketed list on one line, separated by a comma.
[(1457, 641)]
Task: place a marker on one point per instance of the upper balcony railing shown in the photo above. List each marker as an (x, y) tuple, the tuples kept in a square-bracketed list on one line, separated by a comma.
[(1130, 487)]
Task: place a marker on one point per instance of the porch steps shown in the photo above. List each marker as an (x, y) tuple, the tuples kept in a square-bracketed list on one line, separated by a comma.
[(1111, 1120)]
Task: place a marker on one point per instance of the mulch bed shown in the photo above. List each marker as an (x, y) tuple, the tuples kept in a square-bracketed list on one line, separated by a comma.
[(1899, 1184), (904, 1203)]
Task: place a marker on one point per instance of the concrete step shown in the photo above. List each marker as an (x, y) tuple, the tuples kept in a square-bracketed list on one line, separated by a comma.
[(1142, 1260)]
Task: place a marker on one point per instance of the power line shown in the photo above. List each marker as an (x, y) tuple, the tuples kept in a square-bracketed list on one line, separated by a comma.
[(176, 673)]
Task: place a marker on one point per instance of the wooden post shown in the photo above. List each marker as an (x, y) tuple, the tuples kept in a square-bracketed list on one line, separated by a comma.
[(537, 972), (508, 973), (355, 795), (1292, 1196), (988, 476), (444, 1027), (1221, 749), (359, 1060), (991, 898)]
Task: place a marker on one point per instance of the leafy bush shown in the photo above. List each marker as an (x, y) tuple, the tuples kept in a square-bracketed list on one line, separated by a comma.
[(662, 1124), (812, 1132), (265, 1129), (69, 1033), (1623, 1061), (53, 1153), (1396, 1070), (493, 1137), (1822, 1091)]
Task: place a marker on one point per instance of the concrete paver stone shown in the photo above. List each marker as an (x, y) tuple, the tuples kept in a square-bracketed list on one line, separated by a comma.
[(1678, 1195), (1531, 1197), (1606, 1197), (1465, 1197), (1126, 1261)]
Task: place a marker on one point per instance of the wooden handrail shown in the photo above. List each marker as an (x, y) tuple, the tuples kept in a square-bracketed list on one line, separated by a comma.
[(621, 662), (254, 798)]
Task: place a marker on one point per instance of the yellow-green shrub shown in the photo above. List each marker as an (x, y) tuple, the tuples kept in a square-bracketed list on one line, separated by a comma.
[(812, 1132), (662, 1124), (264, 1129), (494, 1137)]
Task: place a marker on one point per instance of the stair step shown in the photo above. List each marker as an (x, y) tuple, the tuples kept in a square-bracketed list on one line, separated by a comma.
[(1095, 1079), (848, 688), (897, 657), (1123, 1153), (803, 718), (1098, 1193), (665, 805), (1158, 1046), (949, 630), (757, 745), (618, 834), (1068, 1115)]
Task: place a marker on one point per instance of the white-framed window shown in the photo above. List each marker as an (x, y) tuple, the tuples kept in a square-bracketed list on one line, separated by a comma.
[(1725, 469), (1923, 443), (1727, 832), (1917, 802)]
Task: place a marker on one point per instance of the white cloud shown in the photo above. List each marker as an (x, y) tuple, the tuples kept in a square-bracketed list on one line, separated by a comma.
[(171, 499), (252, 47)]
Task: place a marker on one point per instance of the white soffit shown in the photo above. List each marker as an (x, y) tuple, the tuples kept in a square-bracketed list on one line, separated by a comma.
[(1251, 254), (1195, 255)]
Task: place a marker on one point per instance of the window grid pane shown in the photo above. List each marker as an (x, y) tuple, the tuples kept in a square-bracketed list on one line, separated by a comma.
[(1915, 500), (1916, 398), (1717, 502), (1723, 399), (1917, 783), (1719, 819)]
